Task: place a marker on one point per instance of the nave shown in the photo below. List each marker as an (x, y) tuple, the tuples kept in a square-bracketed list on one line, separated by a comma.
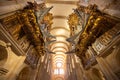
[(59, 40)]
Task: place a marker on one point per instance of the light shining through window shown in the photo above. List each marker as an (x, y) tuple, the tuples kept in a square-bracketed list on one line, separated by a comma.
[(59, 71), (56, 71)]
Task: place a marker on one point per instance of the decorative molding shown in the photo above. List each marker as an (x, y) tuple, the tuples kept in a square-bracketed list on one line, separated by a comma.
[(3, 71), (115, 41)]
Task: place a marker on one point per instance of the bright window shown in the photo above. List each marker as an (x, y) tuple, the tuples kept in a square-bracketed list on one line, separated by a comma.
[(56, 71), (59, 71)]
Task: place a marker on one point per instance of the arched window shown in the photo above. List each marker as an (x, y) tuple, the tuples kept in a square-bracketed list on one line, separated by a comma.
[(59, 71)]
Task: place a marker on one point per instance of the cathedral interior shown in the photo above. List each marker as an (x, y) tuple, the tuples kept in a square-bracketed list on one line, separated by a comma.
[(59, 40)]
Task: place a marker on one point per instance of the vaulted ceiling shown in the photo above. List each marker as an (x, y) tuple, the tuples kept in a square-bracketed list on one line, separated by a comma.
[(61, 10)]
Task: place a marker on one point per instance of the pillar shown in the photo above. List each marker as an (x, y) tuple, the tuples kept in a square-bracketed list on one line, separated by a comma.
[(107, 71)]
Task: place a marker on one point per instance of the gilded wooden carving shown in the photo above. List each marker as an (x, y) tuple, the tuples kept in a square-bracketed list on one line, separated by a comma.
[(97, 24), (24, 22), (73, 21)]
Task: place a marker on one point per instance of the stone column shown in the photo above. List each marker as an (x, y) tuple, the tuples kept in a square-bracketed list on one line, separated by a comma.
[(107, 71), (78, 70)]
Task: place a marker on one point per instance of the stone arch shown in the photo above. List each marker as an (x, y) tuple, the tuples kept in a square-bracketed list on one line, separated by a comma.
[(24, 74), (97, 74)]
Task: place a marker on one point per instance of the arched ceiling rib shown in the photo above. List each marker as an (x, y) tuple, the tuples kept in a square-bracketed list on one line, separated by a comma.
[(60, 42), (59, 51), (57, 47), (59, 31), (61, 35), (59, 55), (58, 27)]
